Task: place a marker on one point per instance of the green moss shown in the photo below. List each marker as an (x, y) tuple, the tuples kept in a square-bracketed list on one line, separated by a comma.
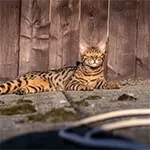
[(93, 97), (18, 109), (55, 115), (37, 117), (24, 101), (126, 97), (81, 103), (1, 102)]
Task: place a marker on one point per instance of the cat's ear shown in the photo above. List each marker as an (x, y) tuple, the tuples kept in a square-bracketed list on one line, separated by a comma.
[(102, 44), (83, 46)]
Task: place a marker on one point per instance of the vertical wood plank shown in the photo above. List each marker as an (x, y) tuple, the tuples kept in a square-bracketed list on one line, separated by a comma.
[(93, 20), (9, 38), (55, 47), (122, 41), (70, 27), (34, 36), (143, 40), (63, 33)]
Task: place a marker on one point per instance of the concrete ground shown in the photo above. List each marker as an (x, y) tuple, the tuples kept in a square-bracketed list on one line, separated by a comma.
[(81, 104)]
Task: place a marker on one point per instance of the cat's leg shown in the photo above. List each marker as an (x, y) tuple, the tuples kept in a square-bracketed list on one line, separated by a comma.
[(35, 85), (81, 87), (33, 89), (29, 89), (77, 86), (106, 85)]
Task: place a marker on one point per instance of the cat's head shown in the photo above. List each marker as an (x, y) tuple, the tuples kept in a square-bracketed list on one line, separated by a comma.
[(93, 56)]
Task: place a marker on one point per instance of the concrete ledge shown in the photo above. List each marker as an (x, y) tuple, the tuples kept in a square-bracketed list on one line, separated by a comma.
[(90, 103)]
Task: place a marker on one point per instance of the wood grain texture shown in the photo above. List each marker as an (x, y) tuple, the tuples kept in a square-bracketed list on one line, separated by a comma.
[(30, 42), (34, 35), (93, 24), (122, 40), (143, 40), (9, 38), (93, 20), (63, 33), (70, 27)]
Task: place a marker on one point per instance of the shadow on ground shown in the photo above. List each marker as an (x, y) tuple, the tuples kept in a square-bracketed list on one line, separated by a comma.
[(41, 140), (38, 140), (51, 140)]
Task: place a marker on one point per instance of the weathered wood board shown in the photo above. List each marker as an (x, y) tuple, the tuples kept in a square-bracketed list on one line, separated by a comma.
[(34, 35), (143, 40), (64, 33), (44, 34), (93, 20), (122, 41), (9, 38)]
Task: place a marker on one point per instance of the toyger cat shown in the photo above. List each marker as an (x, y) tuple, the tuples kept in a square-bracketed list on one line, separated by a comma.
[(88, 75)]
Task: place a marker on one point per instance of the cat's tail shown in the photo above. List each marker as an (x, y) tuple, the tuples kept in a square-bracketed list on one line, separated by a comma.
[(12, 86)]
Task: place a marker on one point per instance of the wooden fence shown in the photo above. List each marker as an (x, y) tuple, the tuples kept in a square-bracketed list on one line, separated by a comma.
[(44, 34)]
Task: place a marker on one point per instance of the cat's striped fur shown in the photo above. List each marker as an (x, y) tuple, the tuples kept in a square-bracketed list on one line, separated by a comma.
[(88, 75)]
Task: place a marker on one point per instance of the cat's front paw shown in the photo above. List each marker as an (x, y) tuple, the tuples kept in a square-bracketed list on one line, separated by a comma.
[(85, 88), (20, 92), (112, 86), (115, 86)]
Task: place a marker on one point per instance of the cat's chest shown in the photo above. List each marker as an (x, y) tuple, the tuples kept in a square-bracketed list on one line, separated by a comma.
[(89, 78)]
